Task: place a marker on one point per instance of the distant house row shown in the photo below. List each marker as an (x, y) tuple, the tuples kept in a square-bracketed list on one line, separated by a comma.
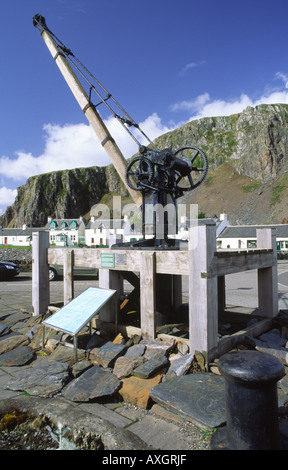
[(100, 232), (73, 232)]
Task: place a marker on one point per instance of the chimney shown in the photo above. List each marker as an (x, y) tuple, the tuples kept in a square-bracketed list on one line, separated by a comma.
[(223, 216)]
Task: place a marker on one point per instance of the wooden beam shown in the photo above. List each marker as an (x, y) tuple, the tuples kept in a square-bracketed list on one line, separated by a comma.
[(148, 295), (267, 276), (40, 273), (203, 300), (68, 275)]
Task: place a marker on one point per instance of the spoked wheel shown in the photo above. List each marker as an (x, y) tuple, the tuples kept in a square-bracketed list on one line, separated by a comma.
[(199, 168), (139, 173)]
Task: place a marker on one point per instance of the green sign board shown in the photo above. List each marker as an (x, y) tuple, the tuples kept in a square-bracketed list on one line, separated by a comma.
[(107, 260)]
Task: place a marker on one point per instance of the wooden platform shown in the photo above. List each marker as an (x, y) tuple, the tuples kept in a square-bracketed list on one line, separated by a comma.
[(205, 266)]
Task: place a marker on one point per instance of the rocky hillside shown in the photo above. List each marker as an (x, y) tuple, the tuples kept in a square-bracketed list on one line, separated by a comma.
[(248, 173), (61, 194)]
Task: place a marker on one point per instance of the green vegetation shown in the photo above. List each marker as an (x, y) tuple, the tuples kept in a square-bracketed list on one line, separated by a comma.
[(277, 194), (249, 188), (15, 247)]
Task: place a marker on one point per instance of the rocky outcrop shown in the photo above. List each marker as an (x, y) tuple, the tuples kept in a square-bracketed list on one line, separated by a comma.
[(248, 163), (254, 142), (61, 194)]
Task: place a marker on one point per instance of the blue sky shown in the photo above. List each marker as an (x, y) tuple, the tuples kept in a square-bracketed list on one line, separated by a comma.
[(167, 62)]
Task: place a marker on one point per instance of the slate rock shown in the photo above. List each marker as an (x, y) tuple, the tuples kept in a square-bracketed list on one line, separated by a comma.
[(155, 347), (15, 318), (179, 366), (283, 383), (273, 339), (20, 326), (95, 383), (152, 366), (44, 380), (13, 342), (95, 341), (136, 350), (4, 329), (107, 354), (125, 365), (17, 357), (66, 354), (80, 367), (200, 397)]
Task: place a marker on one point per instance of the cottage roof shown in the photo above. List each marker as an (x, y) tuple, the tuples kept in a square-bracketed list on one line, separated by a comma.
[(14, 232), (249, 231), (58, 223)]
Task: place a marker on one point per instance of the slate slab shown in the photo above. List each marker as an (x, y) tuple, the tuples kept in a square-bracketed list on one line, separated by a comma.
[(125, 365), (179, 365), (44, 381), (4, 329), (200, 397), (154, 365), (17, 357), (107, 354), (136, 350), (13, 342), (96, 382)]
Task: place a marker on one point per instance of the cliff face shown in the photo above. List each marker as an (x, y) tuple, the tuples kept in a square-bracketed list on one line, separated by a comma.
[(61, 194), (248, 173), (254, 142)]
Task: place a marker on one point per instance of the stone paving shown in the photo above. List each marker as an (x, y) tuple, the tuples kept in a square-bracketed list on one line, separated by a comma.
[(157, 428)]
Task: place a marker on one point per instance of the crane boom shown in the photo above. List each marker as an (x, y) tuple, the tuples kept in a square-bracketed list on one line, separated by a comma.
[(85, 104)]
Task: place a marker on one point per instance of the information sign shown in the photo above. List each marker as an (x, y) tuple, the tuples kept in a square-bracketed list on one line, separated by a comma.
[(107, 260), (76, 314)]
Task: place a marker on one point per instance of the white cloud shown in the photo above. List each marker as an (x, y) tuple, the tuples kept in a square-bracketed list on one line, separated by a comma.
[(203, 106), (283, 77), (72, 146), (191, 105), (189, 66), (7, 197)]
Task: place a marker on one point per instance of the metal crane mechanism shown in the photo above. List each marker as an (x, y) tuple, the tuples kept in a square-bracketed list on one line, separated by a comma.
[(154, 178)]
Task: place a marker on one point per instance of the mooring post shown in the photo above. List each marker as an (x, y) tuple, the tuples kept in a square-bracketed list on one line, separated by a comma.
[(40, 273), (251, 402)]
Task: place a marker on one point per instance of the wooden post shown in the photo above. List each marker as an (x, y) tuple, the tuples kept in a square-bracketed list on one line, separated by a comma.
[(267, 277), (148, 294), (221, 294), (109, 279), (203, 298), (40, 273), (68, 275)]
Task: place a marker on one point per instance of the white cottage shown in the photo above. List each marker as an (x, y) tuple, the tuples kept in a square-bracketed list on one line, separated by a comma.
[(66, 232), (106, 232), (244, 236), (18, 236)]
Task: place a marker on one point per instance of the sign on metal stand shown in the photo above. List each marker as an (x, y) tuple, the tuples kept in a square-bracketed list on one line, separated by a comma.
[(76, 314)]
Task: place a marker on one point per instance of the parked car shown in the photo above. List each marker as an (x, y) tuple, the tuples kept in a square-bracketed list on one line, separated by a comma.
[(56, 271), (8, 270)]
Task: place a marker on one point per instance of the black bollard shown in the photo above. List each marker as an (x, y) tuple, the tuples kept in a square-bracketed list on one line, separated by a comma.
[(251, 402)]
